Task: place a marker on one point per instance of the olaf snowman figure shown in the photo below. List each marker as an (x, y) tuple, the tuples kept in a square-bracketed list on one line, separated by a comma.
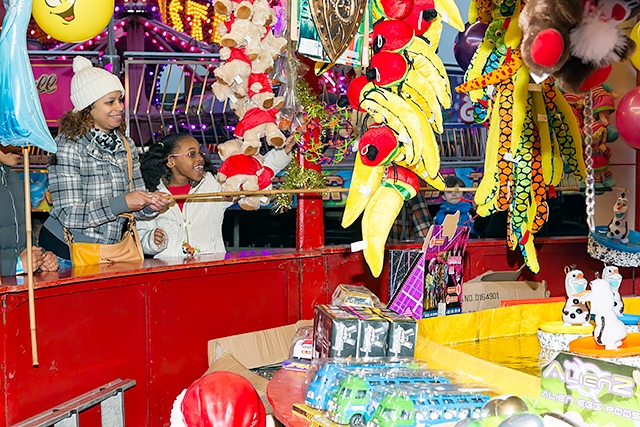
[(609, 331), (575, 311), (618, 228), (613, 276)]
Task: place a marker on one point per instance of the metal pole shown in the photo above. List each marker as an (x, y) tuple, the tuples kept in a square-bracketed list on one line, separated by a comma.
[(111, 56)]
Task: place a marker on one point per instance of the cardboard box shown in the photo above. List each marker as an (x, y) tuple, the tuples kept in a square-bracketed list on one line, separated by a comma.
[(239, 353), (373, 330), (482, 294)]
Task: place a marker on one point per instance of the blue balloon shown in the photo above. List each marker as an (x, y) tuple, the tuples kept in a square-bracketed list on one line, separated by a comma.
[(21, 119)]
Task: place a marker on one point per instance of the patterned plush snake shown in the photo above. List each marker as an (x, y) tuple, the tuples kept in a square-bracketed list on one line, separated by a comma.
[(532, 130)]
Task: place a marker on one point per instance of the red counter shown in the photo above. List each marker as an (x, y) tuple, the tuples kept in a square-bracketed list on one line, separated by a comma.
[(151, 322)]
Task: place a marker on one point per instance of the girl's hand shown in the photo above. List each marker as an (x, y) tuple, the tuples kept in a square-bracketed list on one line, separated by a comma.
[(160, 201), (158, 236)]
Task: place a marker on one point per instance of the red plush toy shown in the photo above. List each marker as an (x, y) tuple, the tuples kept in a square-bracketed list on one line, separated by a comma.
[(378, 145), (255, 124), (239, 172), (219, 399)]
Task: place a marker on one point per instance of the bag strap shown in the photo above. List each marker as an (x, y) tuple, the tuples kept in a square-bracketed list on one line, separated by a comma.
[(129, 160), (68, 237)]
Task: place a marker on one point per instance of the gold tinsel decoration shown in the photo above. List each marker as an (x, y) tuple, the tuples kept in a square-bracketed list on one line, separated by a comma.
[(309, 100), (296, 177)]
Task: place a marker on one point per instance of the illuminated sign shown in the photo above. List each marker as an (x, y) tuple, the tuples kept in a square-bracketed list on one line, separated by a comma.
[(193, 17)]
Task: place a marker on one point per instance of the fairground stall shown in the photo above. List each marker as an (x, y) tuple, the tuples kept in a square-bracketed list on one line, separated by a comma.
[(386, 101)]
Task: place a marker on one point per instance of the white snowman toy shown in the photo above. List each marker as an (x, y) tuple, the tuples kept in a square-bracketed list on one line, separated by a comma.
[(574, 312), (611, 274), (609, 331)]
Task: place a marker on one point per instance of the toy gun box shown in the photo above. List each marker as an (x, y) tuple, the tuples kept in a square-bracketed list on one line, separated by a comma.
[(343, 331)]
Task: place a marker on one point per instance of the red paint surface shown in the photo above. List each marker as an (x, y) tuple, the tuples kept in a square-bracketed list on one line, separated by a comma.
[(151, 322)]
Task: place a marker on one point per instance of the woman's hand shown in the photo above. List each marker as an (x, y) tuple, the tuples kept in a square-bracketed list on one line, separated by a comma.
[(160, 201), (137, 200), (49, 262), (158, 236), (36, 256)]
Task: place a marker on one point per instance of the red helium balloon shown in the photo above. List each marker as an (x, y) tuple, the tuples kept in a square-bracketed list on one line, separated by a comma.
[(628, 117), (466, 43)]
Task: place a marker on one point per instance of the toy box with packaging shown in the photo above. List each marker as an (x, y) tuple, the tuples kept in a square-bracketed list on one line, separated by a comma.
[(345, 331), (595, 392), (428, 283)]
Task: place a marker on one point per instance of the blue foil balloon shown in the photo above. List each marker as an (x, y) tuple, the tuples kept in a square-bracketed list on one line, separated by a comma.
[(21, 119)]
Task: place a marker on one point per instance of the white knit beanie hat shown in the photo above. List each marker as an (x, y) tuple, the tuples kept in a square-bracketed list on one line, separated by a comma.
[(91, 83)]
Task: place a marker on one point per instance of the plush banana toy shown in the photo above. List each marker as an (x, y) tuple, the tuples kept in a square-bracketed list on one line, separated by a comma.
[(403, 91), (398, 185), (532, 130)]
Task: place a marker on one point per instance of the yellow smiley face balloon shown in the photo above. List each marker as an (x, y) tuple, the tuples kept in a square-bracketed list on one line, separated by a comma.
[(72, 21)]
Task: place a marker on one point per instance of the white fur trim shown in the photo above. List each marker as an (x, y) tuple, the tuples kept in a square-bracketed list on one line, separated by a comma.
[(595, 41), (177, 418), (270, 422)]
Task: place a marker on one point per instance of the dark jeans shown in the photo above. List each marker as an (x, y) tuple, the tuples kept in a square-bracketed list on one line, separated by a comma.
[(49, 242)]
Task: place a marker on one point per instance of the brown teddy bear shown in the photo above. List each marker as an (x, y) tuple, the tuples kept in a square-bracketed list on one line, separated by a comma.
[(576, 41)]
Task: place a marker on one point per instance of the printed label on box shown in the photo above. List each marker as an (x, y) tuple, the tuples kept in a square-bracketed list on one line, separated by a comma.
[(602, 393)]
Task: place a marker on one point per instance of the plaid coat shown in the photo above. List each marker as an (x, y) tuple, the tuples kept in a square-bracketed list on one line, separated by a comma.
[(88, 184)]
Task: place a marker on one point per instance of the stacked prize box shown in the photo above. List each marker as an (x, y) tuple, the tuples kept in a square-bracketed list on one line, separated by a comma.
[(401, 340), (335, 332), (372, 334)]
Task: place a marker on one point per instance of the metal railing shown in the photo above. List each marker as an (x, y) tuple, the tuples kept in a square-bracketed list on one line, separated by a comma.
[(166, 95), (110, 397)]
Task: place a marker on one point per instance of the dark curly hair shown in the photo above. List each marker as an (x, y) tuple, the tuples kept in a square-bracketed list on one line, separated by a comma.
[(74, 124), (153, 163)]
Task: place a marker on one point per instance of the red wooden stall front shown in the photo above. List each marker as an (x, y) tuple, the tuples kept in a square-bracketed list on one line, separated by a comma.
[(151, 322)]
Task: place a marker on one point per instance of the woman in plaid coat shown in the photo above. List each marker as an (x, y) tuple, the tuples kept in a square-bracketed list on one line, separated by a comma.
[(89, 175)]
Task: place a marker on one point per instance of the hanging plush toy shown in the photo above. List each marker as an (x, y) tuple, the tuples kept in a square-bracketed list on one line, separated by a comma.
[(404, 91), (249, 49), (240, 172), (576, 41), (603, 132)]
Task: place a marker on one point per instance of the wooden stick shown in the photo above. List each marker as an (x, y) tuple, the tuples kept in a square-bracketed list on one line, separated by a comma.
[(29, 266), (230, 194)]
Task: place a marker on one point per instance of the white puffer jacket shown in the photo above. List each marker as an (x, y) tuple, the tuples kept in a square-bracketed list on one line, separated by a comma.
[(200, 221)]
